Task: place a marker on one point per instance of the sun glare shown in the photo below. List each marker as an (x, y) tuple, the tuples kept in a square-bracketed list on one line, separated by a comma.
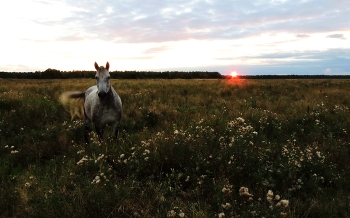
[(233, 74), (234, 79)]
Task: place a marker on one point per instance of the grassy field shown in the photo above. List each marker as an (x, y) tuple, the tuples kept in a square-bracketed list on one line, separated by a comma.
[(187, 148)]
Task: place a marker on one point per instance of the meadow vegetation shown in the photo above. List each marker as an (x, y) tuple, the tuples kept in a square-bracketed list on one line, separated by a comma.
[(187, 148)]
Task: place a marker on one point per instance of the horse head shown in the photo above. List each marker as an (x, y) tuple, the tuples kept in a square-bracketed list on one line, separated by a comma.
[(102, 80)]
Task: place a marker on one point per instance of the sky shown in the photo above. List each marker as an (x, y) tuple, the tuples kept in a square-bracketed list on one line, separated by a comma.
[(251, 37)]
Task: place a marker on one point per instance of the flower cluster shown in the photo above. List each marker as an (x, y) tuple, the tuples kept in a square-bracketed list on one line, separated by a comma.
[(244, 191), (83, 160), (227, 189), (340, 108), (271, 198), (13, 150), (238, 131), (175, 211), (98, 178)]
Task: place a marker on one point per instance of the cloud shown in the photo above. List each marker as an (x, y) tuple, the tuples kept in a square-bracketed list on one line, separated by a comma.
[(135, 21), (20, 68), (295, 62), (198, 34), (302, 35), (336, 36), (332, 57), (158, 21), (156, 49)]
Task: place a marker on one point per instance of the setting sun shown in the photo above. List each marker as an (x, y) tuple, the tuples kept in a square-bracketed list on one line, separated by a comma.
[(234, 74), (234, 78)]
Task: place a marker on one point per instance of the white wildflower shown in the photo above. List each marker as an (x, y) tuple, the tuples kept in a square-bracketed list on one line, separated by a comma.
[(277, 197), (221, 215), (283, 203), (99, 158), (96, 180), (244, 191), (171, 213), (269, 196), (181, 214), (227, 189), (82, 160), (240, 119), (226, 206)]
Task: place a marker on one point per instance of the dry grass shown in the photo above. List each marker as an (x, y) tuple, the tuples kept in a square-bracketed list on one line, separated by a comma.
[(186, 148)]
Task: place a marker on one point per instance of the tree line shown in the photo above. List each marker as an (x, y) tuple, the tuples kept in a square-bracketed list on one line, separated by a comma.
[(57, 74)]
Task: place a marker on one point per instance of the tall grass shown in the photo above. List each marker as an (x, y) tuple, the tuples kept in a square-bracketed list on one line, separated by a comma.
[(187, 148)]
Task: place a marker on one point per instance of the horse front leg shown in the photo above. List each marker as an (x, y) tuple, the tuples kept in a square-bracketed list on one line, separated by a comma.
[(116, 131), (99, 130), (87, 130)]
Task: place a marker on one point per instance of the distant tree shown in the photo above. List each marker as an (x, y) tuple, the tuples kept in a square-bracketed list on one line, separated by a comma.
[(51, 74)]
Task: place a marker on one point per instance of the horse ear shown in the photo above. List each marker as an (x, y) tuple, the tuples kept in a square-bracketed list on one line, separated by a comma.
[(96, 66), (107, 65)]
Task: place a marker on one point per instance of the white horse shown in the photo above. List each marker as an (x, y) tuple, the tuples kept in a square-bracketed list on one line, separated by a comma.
[(102, 105)]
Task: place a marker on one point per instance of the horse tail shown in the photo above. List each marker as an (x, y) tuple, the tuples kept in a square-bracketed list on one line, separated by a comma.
[(73, 102)]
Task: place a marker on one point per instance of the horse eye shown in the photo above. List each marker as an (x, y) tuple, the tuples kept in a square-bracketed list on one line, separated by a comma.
[(108, 77)]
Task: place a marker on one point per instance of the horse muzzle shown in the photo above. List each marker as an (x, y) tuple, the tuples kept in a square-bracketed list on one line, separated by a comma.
[(102, 95)]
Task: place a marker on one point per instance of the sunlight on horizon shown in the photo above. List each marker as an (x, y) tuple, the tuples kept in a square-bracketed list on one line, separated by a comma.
[(234, 74)]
